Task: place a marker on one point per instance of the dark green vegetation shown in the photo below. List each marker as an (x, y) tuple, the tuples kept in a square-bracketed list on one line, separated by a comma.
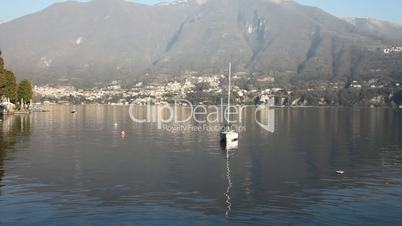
[(8, 86), (25, 91), (8, 83)]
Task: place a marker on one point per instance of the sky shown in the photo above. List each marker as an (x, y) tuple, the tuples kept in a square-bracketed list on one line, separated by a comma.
[(382, 9)]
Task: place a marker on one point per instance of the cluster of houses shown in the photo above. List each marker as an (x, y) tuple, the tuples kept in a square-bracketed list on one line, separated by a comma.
[(212, 85), (373, 84), (139, 90), (396, 49), (9, 108)]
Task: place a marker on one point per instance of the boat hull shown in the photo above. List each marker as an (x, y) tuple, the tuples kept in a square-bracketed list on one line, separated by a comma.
[(229, 136)]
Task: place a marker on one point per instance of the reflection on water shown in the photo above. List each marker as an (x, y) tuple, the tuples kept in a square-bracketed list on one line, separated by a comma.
[(10, 129), (227, 193), (59, 167), (229, 147)]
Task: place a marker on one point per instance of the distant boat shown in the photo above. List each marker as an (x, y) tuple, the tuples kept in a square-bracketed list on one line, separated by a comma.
[(227, 133), (340, 172), (73, 111), (39, 110)]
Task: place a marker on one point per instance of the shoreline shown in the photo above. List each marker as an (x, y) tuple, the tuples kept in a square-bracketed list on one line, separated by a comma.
[(274, 107)]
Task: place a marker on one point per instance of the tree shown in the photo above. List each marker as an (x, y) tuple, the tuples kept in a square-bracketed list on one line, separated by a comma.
[(10, 86), (8, 82), (25, 91), (2, 76), (1, 65), (349, 97), (2, 84)]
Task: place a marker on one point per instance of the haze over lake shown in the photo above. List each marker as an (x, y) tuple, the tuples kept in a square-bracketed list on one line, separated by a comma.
[(76, 169)]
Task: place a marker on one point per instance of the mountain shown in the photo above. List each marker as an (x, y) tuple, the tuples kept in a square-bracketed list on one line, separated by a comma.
[(377, 29), (114, 39)]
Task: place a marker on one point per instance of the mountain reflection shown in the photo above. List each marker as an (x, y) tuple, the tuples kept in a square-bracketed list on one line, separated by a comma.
[(82, 163)]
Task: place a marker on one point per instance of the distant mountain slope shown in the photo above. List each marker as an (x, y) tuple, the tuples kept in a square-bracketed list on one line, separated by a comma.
[(114, 39), (378, 29)]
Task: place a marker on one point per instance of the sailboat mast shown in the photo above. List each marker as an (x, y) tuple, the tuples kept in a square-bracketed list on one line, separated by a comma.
[(229, 89)]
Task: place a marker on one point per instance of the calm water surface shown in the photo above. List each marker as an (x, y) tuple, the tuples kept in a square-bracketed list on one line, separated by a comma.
[(59, 168)]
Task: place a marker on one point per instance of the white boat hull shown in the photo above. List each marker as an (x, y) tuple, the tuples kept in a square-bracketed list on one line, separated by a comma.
[(232, 145), (229, 136)]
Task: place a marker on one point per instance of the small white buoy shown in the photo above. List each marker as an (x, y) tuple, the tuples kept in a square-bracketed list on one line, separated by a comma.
[(115, 124), (123, 133), (340, 172)]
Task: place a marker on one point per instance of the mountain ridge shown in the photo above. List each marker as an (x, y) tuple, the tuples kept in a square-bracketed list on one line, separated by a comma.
[(107, 39)]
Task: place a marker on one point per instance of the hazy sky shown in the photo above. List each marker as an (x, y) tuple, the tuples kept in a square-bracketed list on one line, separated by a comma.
[(382, 9)]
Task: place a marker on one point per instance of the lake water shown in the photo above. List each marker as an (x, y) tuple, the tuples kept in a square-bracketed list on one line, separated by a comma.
[(59, 168)]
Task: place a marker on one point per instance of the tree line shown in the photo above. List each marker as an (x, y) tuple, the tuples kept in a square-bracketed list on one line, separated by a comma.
[(17, 93)]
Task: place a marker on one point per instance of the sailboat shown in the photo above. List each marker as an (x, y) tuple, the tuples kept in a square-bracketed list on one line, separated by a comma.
[(228, 134)]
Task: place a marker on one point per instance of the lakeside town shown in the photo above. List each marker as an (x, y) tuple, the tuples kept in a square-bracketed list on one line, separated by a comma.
[(211, 88)]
